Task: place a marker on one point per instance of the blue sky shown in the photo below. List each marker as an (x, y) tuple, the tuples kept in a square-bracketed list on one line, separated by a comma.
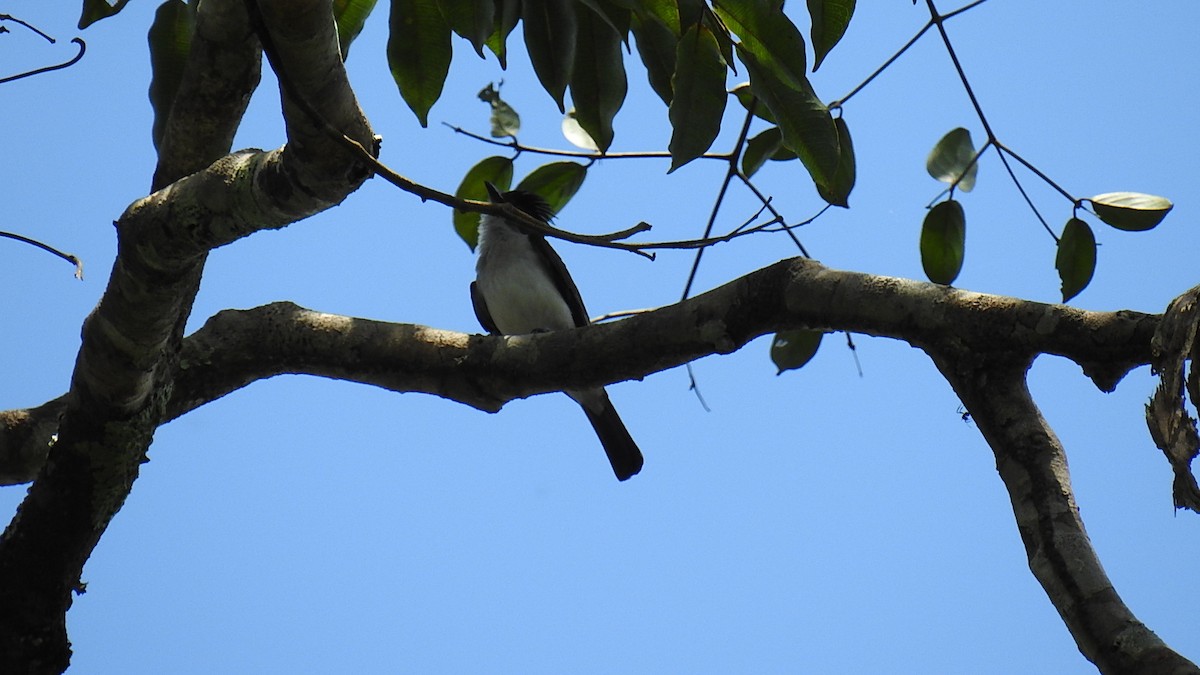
[(813, 522)]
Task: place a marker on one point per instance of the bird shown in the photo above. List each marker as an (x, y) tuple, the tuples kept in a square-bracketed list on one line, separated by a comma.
[(521, 286)]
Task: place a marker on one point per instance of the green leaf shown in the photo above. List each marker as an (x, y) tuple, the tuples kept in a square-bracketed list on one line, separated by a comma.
[(551, 29), (598, 85), (943, 240), (837, 191), (350, 15), (507, 14), (808, 128), (419, 53), (699, 102), (95, 10), (759, 149), (656, 45), (495, 170), (470, 19), (556, 182), (1076, 258), (170, 39), (505, 120), (746, 97), (617, 18), (791, 349), (1131, 211), (953, 157), (767, 33), (829, 21)]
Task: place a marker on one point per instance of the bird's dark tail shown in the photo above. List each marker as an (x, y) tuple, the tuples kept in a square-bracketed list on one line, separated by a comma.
[(623, 452)]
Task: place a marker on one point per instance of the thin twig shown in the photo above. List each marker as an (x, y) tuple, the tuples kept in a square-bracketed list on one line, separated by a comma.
[(75, 59), (71, 258)]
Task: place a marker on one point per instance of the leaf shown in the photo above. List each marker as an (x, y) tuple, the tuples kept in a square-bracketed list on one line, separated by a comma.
[(953, 157), (598, 85), (470, 19), (767, 33), (419, 53), (808, 128), (170, 39), (95, 10), (829, 21), (837, 192), (746, 97), (350, 16), (943, 239), (1076, 258), (617, 18), (1131, 211), (556, 182), (495, 170), (507, 14), (551, 29), (759, 149), (699, 100), (656, 45), (576, 134), (792, 349)]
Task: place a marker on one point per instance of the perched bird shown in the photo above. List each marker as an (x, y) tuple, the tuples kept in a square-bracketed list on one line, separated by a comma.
[(521, 286)]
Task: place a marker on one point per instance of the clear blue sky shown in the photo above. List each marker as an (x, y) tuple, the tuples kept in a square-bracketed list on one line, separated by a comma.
[(815, 522)]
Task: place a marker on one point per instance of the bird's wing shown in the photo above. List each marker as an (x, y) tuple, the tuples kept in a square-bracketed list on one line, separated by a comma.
[(481, 311), (561, 278)]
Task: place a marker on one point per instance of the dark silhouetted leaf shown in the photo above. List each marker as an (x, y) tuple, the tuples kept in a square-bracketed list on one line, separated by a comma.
[(95, 10), (350, 15), (507, 14), (745, 96), (943, 241), (470, 19), (953, 156), (656, 45), (829, 21), (556, 182), (170, 39), (551, 29), (837, 191), (759, 149), (699, 102), (808, 128), (1131, 211), (791, 349), (495, 170), (419, 53), (767, 33), (598, 85), (1076, 258)]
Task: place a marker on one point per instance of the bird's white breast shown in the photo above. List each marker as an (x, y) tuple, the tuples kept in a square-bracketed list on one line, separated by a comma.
[(520, 296)]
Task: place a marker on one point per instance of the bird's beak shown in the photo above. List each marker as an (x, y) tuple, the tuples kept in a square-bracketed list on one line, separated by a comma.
[(493, 193)]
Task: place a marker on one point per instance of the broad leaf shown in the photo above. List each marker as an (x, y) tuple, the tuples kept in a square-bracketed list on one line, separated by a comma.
[(1131, 211), (507, 14), (759, 149), (350, 15), (551, 29), (598, 85), (495, 170), (943, 240), (656, 44), (791, 349), (953, 159), (745, 96), (556, 182), (1076, 258), (95, 10), (808, 128), (699, 100), (170, 39), (829, 21), (419, 53), (767, 33), (837, 191), (616, 17), (470, 19)]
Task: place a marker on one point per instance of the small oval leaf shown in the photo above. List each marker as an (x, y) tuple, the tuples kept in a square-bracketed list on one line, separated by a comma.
[(1131, 211), (495, 170), (837, 190), (350, 16), (418, 53), (759, 149), (576, 134), (556, 183), (943, 242), (953, 159), (746, 97), (791, 349), (1076, 258), (829, 21)]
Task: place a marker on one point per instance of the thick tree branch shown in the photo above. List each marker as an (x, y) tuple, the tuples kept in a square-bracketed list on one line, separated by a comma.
[(1033, 465)]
